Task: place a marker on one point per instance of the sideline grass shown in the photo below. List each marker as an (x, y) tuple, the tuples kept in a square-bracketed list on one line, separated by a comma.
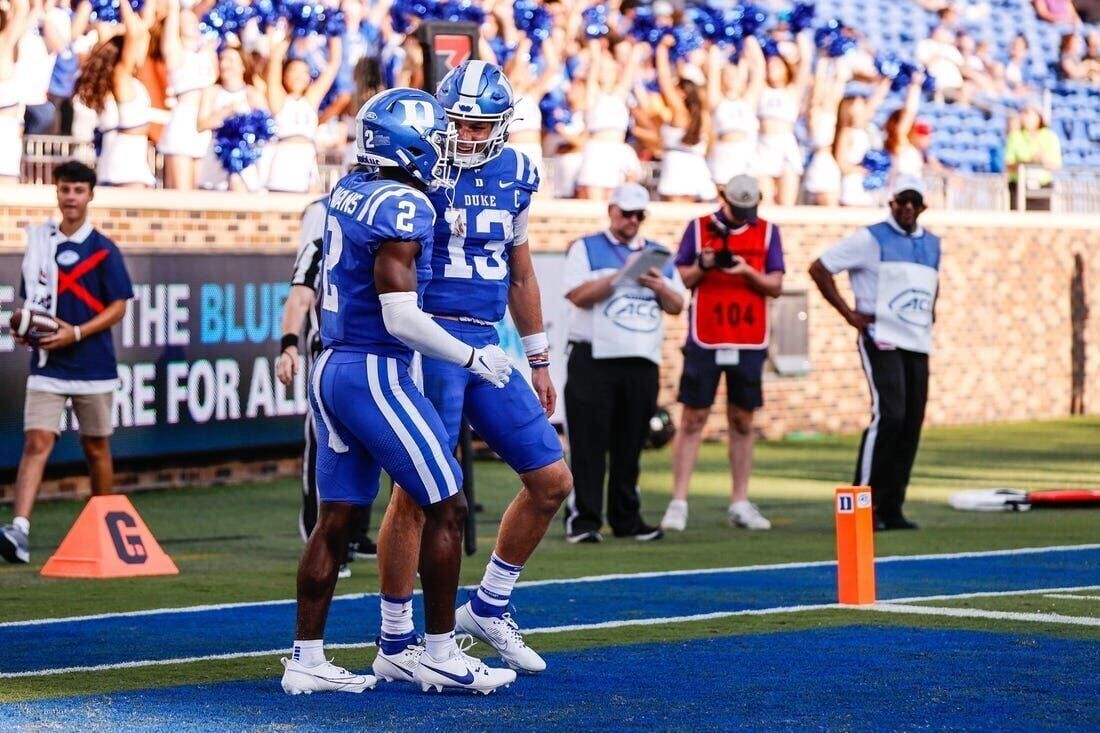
[(240, 543)]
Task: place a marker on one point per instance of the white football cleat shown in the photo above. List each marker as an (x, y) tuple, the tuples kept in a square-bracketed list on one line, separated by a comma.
[(397, 667), (462, 672), (503, 635), (745, 514), (325, 677), (676, 516)]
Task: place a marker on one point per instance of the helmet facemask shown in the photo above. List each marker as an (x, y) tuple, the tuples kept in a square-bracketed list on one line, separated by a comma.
[(474, 153)]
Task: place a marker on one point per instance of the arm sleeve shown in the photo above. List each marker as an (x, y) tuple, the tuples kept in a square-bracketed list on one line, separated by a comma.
[(116, 280), (854, 252), (685, 255), (414, 327), (773, 260), (520, 226)]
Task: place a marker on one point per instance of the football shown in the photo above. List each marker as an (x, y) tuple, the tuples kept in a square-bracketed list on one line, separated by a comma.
[(31, 326)]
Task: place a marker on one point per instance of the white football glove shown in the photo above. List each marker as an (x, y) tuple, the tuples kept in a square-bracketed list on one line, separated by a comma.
[(492, 365)]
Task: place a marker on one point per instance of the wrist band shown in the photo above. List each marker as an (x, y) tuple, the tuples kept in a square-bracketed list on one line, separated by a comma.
[(288, 340), (539, 364), (535, 344), (76, 332)]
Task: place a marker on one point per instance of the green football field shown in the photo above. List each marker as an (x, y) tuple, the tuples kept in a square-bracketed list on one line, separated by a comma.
[(239, 545)]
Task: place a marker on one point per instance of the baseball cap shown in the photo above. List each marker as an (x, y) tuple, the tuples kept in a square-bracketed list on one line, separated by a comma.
[(630, 197), (743, 195), (908, 183)]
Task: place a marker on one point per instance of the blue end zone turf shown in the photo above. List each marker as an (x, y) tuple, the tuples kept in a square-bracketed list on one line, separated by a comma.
[(174, 635), (856, 677)]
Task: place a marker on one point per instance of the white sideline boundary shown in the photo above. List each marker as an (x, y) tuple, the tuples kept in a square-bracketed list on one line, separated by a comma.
[(888, 607), (582, 579), (1071, 597)]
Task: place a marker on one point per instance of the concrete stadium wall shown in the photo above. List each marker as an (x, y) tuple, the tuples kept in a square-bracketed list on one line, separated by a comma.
[(1002, 342)]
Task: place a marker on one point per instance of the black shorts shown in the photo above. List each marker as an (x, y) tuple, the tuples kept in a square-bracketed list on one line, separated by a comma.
[(699, 381)]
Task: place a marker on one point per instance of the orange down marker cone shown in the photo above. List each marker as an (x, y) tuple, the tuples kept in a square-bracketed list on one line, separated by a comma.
[(109, 540), (855, 545)]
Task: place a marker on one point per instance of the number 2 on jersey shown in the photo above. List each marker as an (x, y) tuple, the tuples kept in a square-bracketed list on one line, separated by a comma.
[(330, 299), (492, 267)]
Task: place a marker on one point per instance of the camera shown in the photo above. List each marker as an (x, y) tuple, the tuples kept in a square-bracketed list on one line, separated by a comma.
[(724, 258)]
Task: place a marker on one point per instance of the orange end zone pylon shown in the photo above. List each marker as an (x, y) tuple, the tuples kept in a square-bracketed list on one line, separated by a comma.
[(855, 546), (109, 540)]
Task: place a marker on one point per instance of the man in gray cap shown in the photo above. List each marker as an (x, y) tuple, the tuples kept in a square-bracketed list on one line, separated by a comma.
[(733, 262), (620, 286), (893, 267)]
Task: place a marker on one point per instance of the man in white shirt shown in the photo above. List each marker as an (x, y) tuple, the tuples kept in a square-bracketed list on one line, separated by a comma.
[(616, 329), (894, 271)]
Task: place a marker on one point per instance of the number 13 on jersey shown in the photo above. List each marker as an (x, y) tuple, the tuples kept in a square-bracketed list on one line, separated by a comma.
[(492, 265)]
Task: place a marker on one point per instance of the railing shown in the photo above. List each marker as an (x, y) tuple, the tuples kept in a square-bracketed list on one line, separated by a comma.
[(1073, 191)]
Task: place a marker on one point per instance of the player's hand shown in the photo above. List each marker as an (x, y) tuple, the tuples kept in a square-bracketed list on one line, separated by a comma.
[(287, 366), (65, 336), (860, 321), (492, 365), (544, 389), (652, 279), (706, 259), (740, 267)]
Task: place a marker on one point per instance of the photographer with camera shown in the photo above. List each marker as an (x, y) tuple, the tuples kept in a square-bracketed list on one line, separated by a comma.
[(733, 262)]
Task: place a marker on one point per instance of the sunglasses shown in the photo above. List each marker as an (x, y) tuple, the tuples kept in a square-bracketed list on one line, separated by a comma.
[(639, 215), (909, 198)]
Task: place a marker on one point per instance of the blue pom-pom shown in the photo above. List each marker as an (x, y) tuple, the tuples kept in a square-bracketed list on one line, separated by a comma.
[(645, 28), (687, 38), (595, 21), (753, 19), (832, 39), (239, 142), (555, 109), (333, 22), (501, 49), (266, 13), (877, 165), (801, 16), (535, 21), (304, 18), (225, 18), (458, 11), (107, 11), (928, 86), (770, 47)]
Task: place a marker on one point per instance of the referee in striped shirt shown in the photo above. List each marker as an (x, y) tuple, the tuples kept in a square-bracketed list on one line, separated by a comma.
[(302, 328)]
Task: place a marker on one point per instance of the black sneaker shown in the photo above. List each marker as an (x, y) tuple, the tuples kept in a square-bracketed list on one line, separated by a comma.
[(362, 549), (589, 537), (643, 533)]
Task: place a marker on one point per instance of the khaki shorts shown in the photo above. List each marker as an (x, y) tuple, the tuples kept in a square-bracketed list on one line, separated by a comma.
[(43, 411)]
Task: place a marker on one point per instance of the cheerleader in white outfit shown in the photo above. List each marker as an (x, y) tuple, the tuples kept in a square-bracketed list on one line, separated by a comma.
[(108, 85), (779, 159), (525, 129), (905, 158), (735, 127), (853, 141), (295, 102), (685, 176), (607, 161), (232, 95), (15, 19), (192, 67), (822, 178)]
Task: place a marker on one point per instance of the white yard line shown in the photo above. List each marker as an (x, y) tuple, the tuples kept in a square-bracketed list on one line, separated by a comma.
[(1046, 618), (990, 594), (1070, 596), (583, 579)]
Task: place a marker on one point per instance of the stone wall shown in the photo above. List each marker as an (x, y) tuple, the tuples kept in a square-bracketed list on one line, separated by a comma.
[(1002, 340)]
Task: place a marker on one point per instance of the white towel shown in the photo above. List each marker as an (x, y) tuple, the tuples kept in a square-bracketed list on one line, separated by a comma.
[(40, 273)]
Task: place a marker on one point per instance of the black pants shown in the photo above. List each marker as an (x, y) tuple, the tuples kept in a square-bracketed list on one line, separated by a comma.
[(608, 404), (899, 391)]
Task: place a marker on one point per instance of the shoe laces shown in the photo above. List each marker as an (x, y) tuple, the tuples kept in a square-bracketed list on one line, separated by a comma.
[(512, 628), (464, 644)]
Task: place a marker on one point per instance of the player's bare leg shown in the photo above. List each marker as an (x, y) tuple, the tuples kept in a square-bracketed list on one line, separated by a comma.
[(308, 670), (97, 451), (441, 562), (14, 542), (401, 528), (524, 524)]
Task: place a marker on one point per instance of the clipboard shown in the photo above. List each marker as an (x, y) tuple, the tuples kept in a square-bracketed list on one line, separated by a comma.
[(638, 263)]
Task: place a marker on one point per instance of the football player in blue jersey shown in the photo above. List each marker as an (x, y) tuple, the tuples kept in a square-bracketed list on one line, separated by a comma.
[(369, 414), (480, 265)]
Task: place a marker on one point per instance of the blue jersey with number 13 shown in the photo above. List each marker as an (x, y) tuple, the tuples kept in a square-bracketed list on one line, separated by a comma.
[(474, 237), (363, 212)]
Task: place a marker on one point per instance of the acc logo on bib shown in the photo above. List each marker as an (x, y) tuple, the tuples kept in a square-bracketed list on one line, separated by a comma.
[(634, 312), (68, 258), (913, 306)]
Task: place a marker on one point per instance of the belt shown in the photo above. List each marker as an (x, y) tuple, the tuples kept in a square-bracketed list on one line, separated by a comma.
[(465, 319)]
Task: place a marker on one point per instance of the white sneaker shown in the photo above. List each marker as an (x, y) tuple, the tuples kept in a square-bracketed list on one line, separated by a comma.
[(325, 677), (745, 514), (461, 671), (676, 516), (343, 572), (503, 635), (397, 667), (13, 544)]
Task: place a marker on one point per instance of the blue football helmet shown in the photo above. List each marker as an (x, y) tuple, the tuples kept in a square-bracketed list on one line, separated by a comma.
[(477, 91), (407, 129)]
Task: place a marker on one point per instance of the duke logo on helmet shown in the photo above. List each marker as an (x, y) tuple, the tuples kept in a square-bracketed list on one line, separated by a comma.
[(477, 91), (407, 129)]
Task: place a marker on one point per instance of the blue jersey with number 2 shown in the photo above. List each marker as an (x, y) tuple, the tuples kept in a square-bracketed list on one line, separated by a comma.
[(474, 236), (364, 212)]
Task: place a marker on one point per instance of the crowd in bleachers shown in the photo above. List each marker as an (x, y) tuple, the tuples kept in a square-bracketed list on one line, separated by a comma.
[(822, 102)]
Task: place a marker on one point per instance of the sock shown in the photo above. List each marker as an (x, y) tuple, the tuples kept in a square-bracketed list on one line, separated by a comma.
[(397, 624), (492, 596), (310, 652), (22, 524), (440, 647)]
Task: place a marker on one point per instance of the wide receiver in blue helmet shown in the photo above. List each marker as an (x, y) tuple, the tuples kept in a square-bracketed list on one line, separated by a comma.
[(369, 414), (481, 264)]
